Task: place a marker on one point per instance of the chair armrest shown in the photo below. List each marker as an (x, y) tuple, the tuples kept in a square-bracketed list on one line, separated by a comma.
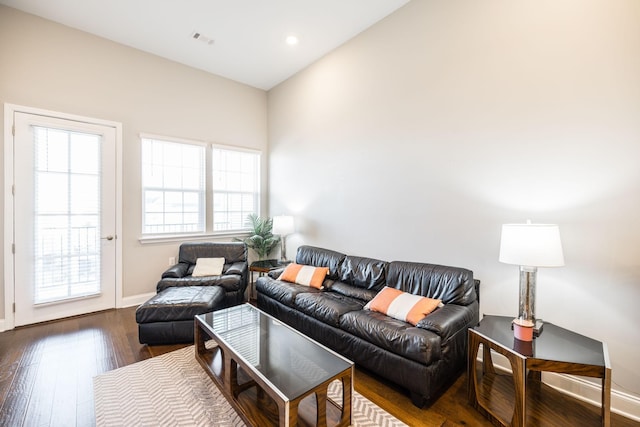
[(177, 271), (238, 268), (448, 320)]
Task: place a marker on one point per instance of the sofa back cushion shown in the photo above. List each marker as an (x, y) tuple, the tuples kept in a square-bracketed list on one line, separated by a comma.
[(231, 251), (365, 273), (319, 257), (451, 285), (350, 291)]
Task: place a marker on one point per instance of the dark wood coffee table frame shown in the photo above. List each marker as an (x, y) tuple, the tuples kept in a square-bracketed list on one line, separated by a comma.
[(520, 363), (227, 381)]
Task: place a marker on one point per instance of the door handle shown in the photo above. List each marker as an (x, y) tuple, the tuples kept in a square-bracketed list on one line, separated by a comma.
[(108, 238)]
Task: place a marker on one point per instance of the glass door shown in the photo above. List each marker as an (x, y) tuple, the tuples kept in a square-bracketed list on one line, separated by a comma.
[(64, 218)]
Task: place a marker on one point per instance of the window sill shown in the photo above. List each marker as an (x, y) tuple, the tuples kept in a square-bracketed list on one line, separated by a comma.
[(154, 239)]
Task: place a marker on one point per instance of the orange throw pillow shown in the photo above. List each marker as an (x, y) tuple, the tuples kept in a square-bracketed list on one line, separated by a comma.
[(305, 275), (402, 305)]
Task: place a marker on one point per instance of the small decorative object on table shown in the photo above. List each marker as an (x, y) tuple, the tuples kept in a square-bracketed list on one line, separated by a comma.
[(523, 329)]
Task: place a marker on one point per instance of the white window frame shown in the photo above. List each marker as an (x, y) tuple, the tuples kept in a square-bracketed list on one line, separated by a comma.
[(201, 191), (256, 195), (208, 233)]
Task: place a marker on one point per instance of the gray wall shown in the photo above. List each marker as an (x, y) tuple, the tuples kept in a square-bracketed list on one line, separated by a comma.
[(419, 138), (50, 66)]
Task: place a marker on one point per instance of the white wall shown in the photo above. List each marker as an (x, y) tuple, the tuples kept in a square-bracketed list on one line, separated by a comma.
[(417, 139), (50, 66)]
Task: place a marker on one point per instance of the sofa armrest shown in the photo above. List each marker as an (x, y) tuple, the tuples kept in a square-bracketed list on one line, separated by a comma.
[(448, 320), (177, 271), (275, 273)]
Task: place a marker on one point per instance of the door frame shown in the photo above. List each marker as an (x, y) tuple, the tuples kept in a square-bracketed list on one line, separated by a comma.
[(8, 259)]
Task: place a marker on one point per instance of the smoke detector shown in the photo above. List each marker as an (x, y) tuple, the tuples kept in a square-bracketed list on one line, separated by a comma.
[(202, 38)]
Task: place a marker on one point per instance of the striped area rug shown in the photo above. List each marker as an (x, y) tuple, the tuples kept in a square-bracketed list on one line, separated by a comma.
[(174, 390)]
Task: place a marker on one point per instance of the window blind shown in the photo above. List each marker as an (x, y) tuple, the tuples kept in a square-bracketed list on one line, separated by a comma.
[(173, 181), (67, 194)]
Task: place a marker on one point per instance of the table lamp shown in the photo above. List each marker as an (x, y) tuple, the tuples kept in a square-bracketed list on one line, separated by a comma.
[(283, 226), (530, 246)]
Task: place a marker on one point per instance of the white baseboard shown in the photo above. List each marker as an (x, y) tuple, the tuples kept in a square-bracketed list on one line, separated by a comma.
[(135, 299), (621, 403), (2, 329)]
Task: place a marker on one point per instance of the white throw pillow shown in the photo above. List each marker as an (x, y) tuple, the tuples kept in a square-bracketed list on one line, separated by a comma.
[(208, 267)]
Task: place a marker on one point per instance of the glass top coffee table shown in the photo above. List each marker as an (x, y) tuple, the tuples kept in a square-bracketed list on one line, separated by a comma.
[(280, 361)]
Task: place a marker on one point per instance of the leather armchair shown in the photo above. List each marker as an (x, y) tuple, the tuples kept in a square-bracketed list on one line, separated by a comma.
[(235, 274), (167, 318)]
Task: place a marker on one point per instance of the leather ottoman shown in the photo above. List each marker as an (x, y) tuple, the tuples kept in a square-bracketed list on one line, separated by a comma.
[(167, 318)]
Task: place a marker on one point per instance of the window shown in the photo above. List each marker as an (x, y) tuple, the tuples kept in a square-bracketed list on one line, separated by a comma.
[(173, 189), (236, 187), (178, 198)]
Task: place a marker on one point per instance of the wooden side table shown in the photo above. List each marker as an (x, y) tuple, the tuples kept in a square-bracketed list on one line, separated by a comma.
[(262, 267), (555, 350)]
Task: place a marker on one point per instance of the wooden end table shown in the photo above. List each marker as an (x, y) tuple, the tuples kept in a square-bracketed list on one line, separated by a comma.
[(555, 350)]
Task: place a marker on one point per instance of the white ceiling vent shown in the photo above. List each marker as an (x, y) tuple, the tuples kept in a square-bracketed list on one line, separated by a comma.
[(201, 37)]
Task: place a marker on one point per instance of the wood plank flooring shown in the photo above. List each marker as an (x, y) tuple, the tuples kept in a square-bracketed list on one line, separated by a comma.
[(46, 375)]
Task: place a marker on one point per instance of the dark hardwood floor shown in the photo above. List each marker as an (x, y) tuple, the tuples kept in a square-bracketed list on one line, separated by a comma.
[(46, 375)]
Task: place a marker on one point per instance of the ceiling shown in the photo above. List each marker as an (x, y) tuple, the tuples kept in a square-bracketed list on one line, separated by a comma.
[(248, 35)]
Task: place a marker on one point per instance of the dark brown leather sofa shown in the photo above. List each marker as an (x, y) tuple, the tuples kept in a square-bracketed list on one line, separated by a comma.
[(425, 359)]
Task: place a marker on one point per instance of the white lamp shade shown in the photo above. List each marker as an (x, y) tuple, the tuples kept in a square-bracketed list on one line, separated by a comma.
[(283, 225), (533, 245)]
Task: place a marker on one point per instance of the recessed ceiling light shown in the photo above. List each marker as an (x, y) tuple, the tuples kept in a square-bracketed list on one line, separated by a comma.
[(292, 40)]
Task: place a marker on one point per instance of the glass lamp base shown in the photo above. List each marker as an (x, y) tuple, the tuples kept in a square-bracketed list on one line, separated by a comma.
[(527, 298)]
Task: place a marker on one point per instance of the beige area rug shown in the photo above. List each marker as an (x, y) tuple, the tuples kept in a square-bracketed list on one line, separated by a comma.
[(174, 390)]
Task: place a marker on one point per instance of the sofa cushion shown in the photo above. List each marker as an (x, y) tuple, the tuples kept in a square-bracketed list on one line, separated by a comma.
[(229, 282), (366, 273), (181, 303), (319, 257), (399, 337), (349, 290), (402, 305), (305, 275), (327, 306), (451, 285), (280, 291)]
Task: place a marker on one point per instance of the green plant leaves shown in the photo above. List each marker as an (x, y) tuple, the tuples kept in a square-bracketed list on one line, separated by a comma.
[(261, 240)]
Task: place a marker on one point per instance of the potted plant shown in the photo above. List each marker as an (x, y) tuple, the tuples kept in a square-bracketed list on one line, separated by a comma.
[(261, 239)]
